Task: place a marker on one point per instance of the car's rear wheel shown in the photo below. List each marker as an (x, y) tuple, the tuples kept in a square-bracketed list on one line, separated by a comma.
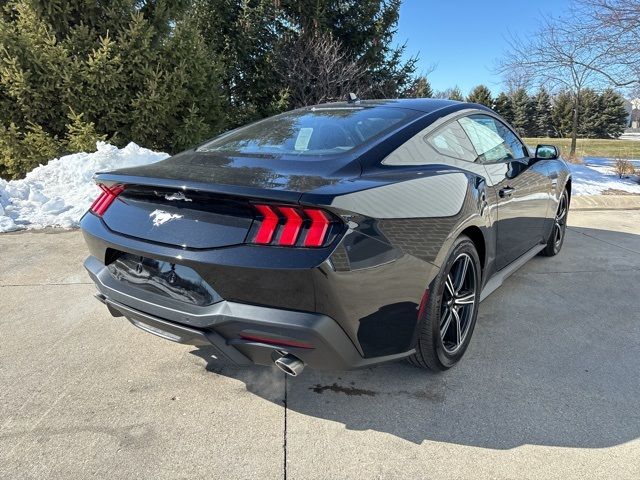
[(556, 237), (449, 315)]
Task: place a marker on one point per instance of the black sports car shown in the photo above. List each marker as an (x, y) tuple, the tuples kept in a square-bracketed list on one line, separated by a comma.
[(335, 236)]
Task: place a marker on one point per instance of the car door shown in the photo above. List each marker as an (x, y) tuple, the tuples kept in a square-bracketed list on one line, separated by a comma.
[(521, 188)]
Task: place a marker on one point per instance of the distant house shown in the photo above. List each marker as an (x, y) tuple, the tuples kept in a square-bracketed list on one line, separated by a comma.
[(633, 107)]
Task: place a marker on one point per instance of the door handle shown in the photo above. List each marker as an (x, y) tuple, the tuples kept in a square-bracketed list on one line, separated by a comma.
[(506, 192)]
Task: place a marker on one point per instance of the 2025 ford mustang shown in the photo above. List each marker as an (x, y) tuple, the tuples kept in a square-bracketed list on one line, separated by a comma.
[(335, 236)]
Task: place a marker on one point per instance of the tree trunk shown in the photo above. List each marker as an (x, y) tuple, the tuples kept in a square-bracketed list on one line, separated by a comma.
[(574, 126)]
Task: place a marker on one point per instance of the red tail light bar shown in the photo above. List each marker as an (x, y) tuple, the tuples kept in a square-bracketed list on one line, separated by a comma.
[(289, 226), (105, 199)]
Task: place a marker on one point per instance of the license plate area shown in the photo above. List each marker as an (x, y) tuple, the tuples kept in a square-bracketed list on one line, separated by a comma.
[(166, 279)]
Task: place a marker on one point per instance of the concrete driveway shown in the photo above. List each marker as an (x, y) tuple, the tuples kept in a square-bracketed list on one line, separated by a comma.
[(549, 388)]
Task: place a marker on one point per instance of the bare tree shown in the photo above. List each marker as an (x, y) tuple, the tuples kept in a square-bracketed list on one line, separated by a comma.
[(614, 28), (517, 78), (559, 56), (317, 69)]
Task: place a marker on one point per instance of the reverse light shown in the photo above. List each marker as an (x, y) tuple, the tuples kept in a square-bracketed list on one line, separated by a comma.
[(279, 342), (105, 199), (290, 226)]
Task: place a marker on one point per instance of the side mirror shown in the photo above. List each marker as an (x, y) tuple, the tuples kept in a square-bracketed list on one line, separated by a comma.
[(547, 152)]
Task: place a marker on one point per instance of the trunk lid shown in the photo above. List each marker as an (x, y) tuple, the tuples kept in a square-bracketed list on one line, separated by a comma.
[(199, 200)]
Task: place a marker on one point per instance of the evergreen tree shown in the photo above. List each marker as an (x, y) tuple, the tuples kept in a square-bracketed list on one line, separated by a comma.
[(81, 136), (245, 36), (562, 113), (455, 94), (22, 149), (522, 112), (421, 88), (613, 114), (126, 70), (542, 120), (502, 105), (482, 95), (589, 120), (251, 37), (365, 28), (169, 73)]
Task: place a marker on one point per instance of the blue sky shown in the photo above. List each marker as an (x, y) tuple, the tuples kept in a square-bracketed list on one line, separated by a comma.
[(464, 38)]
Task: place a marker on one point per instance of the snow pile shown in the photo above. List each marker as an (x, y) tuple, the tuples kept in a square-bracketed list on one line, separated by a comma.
[(597, 175), (58, 194)]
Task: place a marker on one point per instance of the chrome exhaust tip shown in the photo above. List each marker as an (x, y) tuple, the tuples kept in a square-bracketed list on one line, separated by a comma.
[(290, 364)]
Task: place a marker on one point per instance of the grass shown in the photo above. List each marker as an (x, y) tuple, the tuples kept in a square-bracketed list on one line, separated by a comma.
[(593, 147)]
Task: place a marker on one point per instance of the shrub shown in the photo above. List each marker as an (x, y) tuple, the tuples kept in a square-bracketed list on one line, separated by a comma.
[(21, 151), (72, 73), (623, 167)]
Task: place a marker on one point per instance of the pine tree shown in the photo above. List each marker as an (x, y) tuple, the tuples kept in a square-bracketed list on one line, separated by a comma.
[(562, 113), (482, 95), (522, 112), (421, 88), (502, 105), (252, 37), (455, 94), (543, 122), (613, 114), (128, 71), (24, 149), (589, 120), (244, 36), (81, 135), (366, 29)]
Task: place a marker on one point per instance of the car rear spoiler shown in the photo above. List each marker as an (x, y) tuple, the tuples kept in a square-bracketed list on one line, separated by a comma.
[(276, 195)]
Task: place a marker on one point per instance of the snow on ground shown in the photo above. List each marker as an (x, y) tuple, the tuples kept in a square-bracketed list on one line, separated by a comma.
[(596, 175), (59, 193)]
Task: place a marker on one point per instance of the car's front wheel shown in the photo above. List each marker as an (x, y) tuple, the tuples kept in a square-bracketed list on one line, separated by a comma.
[(449, 315)]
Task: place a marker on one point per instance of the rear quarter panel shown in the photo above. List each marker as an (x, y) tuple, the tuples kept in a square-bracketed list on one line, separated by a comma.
[(400, 228)]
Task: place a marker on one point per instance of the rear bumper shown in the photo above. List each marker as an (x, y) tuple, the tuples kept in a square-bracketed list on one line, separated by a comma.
[(223, 325)]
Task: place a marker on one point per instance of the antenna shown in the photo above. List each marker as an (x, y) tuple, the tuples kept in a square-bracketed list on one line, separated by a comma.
[(352, 98)]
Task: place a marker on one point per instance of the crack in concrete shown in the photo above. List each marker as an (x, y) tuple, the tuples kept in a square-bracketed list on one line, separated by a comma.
[(284, 445)]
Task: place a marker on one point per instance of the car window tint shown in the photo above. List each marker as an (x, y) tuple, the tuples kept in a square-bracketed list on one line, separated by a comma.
[(452, 141), (315, 131), (493, 141)]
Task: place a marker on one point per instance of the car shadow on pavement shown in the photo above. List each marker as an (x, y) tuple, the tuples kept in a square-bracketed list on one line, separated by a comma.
[(554, 361)]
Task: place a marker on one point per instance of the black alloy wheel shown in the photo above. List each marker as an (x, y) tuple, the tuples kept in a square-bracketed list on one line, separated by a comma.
[(449, 316), (458, 303), (556, 238)]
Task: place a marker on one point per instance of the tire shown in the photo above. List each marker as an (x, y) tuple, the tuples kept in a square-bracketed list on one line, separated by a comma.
[(434, 350), (557, 234)]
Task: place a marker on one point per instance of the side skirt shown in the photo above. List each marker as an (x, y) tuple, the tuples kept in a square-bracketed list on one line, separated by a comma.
[(496, 281)]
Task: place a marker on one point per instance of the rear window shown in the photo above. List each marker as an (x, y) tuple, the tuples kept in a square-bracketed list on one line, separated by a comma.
[(315, 131)]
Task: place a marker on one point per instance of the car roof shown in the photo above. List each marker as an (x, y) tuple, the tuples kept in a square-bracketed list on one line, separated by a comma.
[(426, 105)]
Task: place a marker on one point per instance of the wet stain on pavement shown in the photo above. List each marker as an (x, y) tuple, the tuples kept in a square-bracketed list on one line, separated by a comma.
[(351, 391), (424, 395)]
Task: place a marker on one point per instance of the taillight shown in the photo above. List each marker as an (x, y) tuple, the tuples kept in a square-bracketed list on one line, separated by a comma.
[(319, 226), (289, 226), (105, 199), (268, 226)]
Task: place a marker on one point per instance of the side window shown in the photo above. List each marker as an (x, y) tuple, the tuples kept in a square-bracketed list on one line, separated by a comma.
[(451, 140), (493, 141)]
